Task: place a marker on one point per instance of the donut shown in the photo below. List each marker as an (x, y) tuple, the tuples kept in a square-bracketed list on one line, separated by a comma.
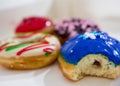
[(69, 28), (90, 54), (34, 24), (29, 52)]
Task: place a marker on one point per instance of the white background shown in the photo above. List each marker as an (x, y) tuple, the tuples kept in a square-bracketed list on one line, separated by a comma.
[(105, 12)]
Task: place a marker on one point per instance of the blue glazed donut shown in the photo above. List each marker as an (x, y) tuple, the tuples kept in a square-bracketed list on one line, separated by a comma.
[(91, 43)]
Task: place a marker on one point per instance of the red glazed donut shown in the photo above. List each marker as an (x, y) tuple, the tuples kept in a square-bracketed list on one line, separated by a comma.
[(34, 24)]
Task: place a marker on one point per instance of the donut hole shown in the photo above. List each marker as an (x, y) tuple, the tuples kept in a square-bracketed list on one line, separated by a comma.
[(96, 64)]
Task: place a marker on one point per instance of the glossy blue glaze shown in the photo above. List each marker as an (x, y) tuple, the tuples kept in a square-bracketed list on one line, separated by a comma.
[(91, 43)]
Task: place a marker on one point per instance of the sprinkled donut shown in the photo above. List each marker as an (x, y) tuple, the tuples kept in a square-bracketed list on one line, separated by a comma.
[(29, 52), (34, 24), (67, 29), (94, 53)]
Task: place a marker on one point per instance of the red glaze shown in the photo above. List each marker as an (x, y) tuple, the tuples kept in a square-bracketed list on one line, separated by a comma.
[(33, 24), (1, 49), (47, 50), (3, 46)]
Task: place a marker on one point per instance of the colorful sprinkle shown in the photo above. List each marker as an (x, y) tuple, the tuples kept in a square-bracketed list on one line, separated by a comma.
[(47, 54)]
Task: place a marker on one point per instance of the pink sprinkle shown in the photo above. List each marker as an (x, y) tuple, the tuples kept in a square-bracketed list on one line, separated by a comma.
[(71, 28), (73, 34), (88, 30)]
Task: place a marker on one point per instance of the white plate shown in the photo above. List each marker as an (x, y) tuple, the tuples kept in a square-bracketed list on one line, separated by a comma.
[(49, 76)]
